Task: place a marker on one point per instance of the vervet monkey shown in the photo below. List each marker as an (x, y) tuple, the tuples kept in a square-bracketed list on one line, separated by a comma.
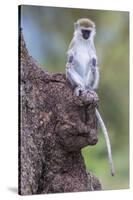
[(82, 68)]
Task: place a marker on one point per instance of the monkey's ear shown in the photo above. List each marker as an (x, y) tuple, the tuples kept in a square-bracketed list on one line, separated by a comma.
[(76, 25)]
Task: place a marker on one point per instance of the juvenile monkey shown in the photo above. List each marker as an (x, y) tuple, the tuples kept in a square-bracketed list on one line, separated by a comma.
[(82, 68)]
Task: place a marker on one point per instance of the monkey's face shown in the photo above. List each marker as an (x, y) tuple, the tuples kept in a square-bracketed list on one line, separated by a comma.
[(85, 29), (86, 33)]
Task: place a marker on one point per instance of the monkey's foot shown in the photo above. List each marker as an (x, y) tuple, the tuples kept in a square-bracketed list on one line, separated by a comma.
[(78, 91), (90, 91), (90, 97)]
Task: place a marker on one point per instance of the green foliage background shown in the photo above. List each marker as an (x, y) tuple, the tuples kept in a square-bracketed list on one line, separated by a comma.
[(48, 32)]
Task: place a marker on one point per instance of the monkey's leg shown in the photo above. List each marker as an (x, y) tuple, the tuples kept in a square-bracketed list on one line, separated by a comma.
[(75, 79)]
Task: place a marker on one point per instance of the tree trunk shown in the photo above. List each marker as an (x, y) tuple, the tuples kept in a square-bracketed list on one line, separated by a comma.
[(54, 125)]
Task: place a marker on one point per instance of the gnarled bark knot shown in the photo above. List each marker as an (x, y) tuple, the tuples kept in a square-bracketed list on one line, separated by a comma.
[(54, 126)]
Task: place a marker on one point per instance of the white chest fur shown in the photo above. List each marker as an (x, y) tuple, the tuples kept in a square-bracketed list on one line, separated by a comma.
[(84, 54)]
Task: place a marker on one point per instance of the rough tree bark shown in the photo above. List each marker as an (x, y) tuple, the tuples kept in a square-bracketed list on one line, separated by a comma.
[(54, 126)]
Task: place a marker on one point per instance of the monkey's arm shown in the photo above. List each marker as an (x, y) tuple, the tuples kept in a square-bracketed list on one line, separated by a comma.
[(95, 72), (92, 78)]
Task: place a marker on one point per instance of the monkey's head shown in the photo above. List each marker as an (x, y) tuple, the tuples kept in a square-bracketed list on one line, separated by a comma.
[(85, 28)]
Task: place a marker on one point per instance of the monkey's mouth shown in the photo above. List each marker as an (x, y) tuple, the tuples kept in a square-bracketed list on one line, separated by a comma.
[(86, 34)]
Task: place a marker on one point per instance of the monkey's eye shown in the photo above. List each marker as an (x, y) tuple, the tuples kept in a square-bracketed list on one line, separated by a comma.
[(86, 33)]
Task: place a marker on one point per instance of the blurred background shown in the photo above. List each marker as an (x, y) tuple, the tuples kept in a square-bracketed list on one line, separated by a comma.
[(48, 32)]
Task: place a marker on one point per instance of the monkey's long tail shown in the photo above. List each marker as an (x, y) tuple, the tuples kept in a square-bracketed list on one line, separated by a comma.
[(106, 136)]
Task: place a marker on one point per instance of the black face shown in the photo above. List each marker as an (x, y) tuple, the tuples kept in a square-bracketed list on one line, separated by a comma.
[(86, 33)]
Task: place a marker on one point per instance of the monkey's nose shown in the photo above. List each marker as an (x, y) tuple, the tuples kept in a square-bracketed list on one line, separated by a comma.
[(86, 34)]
